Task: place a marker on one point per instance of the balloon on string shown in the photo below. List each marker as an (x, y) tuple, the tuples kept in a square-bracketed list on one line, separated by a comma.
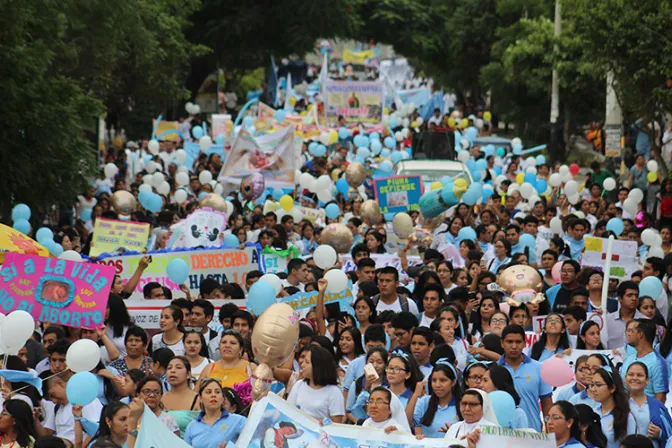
[(343, 133), (153, 147), (517, 150), (231, 241), (385, 167), (390, 142), (541, 186), (110, 170), (527, 240), (205, 177), (396, 156), (540, 160), (571, 188), (556, 372), (319, 151), (332, 211), (463, 156), (70, 255), (615, 225), (342, 185), (376, 147), (530, 178), (277, 194), (325, 256), (219, 139), (574, 198), (393, 123), (262, 294), (520, 178), (181, 155), (280, 115), (205, 143), (466, 233), (636, 194), (20, 211), (180, 196), (16, 328), (649, 237), (45, 234), (652, 176), (574, 169), (631, 206), (363, 152), (650, 286), (197, 132), (556, 225), (337, 281), (656, 252), (652, 165), (555, 180), (325, 138), (286, 202), (177, 271), (82, 388), (22, 226), (273, 280), (82, 356), (609, 183)]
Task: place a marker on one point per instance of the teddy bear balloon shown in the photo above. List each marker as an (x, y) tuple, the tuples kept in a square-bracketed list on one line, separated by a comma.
[(522, 284)]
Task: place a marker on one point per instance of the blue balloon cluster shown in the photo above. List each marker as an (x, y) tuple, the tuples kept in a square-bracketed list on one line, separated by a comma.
[(277, 194), (390, 142), (280, 115), (20, 211), (530, 178), (393, 123), (473, 194), (261, 296), (363, 152), (219, 139), (374, 136), (541, 186), (385, 166), (376, 147), (248, 121), (343, 133), (501, 152), (177, 271), (487, 192), (517, 150), (361, 141), (332, 211), (342, 186), (150, 201), (319, 151), (396, 157)]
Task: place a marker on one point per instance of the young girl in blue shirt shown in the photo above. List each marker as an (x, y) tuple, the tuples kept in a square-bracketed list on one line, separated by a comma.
[(433, 411)]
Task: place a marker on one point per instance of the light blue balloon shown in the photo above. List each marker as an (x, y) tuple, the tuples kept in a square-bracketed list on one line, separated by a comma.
[(360, 160), (248, 121), (472, 133), (390, 142), (501, 152), (396, 156), (498, 170), (277, 194), (517, 150), (374, 136), (54, 248), (219, 139), (143, 198), (357, 140), (262, 295), (342, 186), (466, 233), (45, 234), (155, 203), (616, 225), (477, 188), (312, 146), (504, 407), (527, 240), (530, 178), (319, 151), (82, 388), (22, 226), (540, 160), (651, 286), (376, 147), (446, 180), (197, 132), (385, 167), (202, 194), (541, 186), (363, 152), (231, 241), (332, 211), (481, 164), (487, 192), (471, 164), (393, 123), (477, 175), (280, 115), (385, 153), (365, 141), (489, 150), (178, 270), (343, 133), (20, 211)]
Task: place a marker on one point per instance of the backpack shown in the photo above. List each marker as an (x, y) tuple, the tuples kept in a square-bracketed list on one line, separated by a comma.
[(403, 301)]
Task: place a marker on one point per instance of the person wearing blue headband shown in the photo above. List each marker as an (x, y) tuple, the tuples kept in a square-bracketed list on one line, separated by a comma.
[(434, 412), (614, 410)]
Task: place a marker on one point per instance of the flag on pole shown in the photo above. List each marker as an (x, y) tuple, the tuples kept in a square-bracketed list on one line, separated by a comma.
[(288, 92), (272, 88)]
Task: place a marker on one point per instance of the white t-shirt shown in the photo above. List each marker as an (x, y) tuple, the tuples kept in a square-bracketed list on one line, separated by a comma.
[(64, 422), (318, 403), (157, 342), (196, 370), (396, 306), (425, 321), (118, 342), (286, 284)]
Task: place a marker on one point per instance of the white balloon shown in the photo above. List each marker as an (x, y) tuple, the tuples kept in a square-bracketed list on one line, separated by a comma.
[(147, 179), (405, 132), (501, 178), (564, 169), (573, 199), (649, 237), (188, 106), (580, 214), (181, 156), (531, 161), (556, 225), (17, 328), (219, 189), (230, 208), (513, 188), (609, 183), (659, 241), (419, 120), (479, 123), (145, 187), (182, 179), (337, 279), (325, 139), (70, 255), (531, 170), (205, 143), (163, 189), (405, 122), (196, 109), (515, 142), (630, 205), (111, 170), (82, 356), (153, 147), (464, 143), (652, 165), (519, 215), (307, 181), (533, 199), (273, 280), (325, 257), (555, 179), (636, 194), (463, 156), (527, 190), (151, 166), (323, 183), (182, 169), (205, 176), (398, 136), (158, 179), (656, 252), (567, 177), (180, 196), (571, 188), (297, 214), (325, 195)]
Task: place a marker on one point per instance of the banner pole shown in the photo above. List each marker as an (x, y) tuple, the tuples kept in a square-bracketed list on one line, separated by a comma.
[(605, 286)]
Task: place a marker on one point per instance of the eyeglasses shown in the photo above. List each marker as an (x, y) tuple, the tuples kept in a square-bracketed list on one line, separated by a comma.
[(395, 370), (378, 403), (475, 378), (553, 321), (555, 418), (596, 385), (150, 393), (443, 271), (466, 404), (400, 334), (498, 321), (585, 370)]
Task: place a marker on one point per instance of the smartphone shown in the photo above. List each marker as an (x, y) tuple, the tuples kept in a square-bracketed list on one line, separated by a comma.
[(370, 370), (150, 258)]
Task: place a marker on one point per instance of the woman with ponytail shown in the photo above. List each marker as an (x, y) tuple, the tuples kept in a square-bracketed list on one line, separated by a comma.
[(432, 412), (614, 410), (591, 429)]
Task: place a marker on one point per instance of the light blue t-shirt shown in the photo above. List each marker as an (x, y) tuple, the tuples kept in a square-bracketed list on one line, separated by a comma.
[(572, 443), (575, 247), (607, 422), (443, 415), (659, 375), (565, 393), (530, 387), (355, 370), (427, 369), (226, 429), (642, 419), (583, 398)]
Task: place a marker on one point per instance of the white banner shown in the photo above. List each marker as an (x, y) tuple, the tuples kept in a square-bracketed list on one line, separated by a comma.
[(613, 355), (146, 313), (496, 436), (623, 259)]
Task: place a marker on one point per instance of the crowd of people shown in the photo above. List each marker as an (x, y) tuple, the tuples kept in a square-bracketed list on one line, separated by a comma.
[(426, 343)]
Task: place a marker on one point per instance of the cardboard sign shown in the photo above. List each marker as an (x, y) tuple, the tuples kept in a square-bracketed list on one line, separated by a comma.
[(623, 257), (273, 263), (109, 235), (147, 313), (398, 194), (57, 291), (224, 265), (204, 227), (306, 300), (356, 101), (538, 322)]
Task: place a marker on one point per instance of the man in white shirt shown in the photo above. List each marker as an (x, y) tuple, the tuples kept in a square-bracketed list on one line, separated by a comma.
[(297, 273), (436, 118), (63, 422), (366, 272), (388, 299)]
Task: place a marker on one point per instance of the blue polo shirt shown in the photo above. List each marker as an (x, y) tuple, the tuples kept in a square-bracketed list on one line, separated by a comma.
[(427, 369), (572, 443), (355, 370), (530, 387), (446, 414), (659, 375), (226, 429), (583, 398), (607, 422), (564, 393)]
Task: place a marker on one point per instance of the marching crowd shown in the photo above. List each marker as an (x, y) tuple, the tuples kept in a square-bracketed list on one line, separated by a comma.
[(429, 348)]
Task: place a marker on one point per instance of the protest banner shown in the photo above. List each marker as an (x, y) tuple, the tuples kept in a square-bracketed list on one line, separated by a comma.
[(204, 227), (271, 155), (623, 257), (314, 215), (153, 433), (306, 300), (222, 124), (356, 101), (613, 355), (109, 235), (147, 313), (224, 265), (267, 416), (505, 438), (358, 57), (164, 126), (538, 322), (398, 194), (273, 263), (57, 291), (382, 260)]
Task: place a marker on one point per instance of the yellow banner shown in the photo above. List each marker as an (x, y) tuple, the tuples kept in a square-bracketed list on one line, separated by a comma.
[(357, 57), (109, 235)]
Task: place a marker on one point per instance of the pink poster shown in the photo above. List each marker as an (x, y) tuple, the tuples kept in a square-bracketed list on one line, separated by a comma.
[(61, 292)]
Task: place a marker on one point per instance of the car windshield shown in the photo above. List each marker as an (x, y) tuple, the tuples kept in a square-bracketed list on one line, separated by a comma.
[(429, 176)]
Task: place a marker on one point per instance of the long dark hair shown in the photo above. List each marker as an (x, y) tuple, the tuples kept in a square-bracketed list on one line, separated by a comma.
[(359, 382), (588, 417), (419, 291), (324, 367), (411, 366), (23, 416), (569, 412), (109, 411), (621, 403), (356, 336), (476, 316), (204, 346), (16, 363), (587, 325), (456, 316), (563, 342), (370, 304), (119, 317), (666, 343), (502, 379), (233, 398), (433, 404)]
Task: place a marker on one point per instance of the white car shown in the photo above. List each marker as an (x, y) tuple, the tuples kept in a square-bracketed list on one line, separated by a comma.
[(433, 170)]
